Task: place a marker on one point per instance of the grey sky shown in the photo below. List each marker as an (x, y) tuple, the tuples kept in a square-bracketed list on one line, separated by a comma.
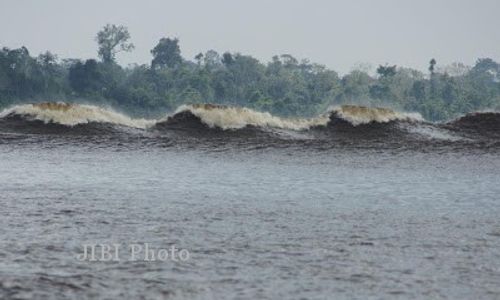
[(339, 34)]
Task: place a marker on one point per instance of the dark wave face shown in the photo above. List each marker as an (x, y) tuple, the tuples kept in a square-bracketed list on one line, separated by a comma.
[(185, 120), (19, 124), (216, 125), (341, 128), (185, 123), (474, 125), (66, 119)]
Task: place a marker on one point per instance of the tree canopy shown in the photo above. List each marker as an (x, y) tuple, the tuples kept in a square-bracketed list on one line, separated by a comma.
[(111, 40), (166, 53)]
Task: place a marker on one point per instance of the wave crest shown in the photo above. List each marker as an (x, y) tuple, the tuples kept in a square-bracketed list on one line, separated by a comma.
[(360, 115), (227, 117), (201, 117), (71, 114)]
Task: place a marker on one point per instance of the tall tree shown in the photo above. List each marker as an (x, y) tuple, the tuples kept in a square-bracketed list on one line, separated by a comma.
[(227, 59), (166, 53), (386, 71), (432, 66), (212, 59), (111, 40), (198, 58)]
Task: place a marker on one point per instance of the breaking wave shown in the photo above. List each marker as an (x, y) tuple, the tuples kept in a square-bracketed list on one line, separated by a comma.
[(209, 115), (346, 123), (71, 115), (226, 117), (361, 115)]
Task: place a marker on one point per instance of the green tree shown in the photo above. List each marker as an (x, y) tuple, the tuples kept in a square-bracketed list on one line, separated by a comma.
[(355, 87), (432, 66), (198, 58), (227, 59), (85, 78), (111, 40), (386, 71), (212, 60), (166, 53)]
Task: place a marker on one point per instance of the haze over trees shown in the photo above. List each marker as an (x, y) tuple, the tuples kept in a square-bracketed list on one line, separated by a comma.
[(283, 86)]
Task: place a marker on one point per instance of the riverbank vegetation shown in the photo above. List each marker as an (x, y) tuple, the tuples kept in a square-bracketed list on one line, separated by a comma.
[(283, 86)]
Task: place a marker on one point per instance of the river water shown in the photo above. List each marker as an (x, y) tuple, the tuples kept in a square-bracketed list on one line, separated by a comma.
[(255, 218)]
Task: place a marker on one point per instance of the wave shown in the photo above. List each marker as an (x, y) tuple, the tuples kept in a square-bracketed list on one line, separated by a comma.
[(341, 123), (231, 118), (485, 124), (70, 115), (201, 115), (361, 115)]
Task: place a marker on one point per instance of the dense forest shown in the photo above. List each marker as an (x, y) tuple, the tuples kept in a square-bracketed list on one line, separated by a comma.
[(284, 86)]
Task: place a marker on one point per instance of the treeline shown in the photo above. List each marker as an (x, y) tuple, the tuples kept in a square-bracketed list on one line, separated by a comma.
[(284, 86)]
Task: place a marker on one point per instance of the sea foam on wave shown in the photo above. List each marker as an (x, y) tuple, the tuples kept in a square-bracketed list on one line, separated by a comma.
[(72, 114), (228, 117)]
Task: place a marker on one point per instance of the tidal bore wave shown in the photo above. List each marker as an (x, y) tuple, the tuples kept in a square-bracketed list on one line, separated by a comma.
[(347, 123), (482, 124), (57, 117)]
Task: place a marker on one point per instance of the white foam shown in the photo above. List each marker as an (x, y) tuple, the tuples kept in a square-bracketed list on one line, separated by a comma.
[(225, 117), (358, 115), (431, 132), (238, 117), (73, 114)]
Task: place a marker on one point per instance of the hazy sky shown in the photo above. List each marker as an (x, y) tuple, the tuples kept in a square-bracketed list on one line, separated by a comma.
[(339, 34)]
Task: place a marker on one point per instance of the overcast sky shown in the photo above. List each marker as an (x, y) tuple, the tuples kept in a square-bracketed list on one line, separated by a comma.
[(339, 34)]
